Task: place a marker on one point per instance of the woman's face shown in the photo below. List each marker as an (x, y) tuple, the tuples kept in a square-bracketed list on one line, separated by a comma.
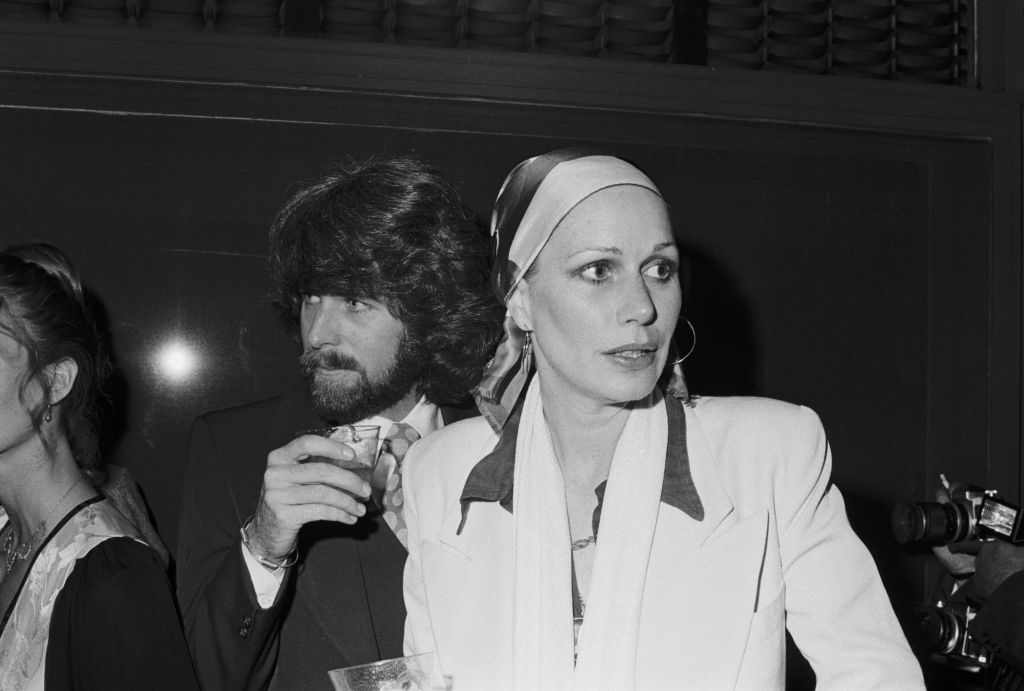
[(604, 298), (15, 419)]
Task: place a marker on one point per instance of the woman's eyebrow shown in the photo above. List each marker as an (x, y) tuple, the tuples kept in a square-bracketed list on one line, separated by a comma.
[(611, 250), (616, 251)]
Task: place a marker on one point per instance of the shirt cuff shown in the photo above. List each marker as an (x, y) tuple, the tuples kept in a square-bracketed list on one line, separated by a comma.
[(265, 582)]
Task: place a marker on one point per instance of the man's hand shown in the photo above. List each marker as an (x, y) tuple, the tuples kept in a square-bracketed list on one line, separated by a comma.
[(296, 492), (996, 561)]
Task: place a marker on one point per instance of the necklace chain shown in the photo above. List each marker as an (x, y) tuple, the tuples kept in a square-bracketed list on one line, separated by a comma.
[(19, 551)]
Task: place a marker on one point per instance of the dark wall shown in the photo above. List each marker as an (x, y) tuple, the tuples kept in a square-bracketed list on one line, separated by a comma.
[(848, 270)]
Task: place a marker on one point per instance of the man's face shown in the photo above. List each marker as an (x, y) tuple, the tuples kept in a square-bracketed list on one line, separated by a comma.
[(356, 358)]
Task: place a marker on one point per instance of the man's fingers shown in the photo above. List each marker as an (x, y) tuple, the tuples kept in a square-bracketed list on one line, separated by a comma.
[(308, 446), (301, 514), (966, 547), (286, 501), (296, 492), (325, 512), (280, 477)]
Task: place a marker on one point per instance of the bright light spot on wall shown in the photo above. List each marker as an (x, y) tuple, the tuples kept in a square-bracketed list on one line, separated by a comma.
[(176, 361)]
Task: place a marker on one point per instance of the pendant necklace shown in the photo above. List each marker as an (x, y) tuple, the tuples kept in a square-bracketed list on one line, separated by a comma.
[(15, 550)]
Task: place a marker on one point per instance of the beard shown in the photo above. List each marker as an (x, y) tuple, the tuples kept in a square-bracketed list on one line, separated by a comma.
[(348, 402)]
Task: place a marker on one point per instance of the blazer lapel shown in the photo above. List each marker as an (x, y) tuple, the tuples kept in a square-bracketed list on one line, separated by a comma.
[(713, 496), (699, 598), (699, 602), (475, 540), (702, 583), (472, 572)]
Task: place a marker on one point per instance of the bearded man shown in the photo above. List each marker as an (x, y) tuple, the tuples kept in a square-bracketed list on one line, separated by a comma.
[(285, 568)]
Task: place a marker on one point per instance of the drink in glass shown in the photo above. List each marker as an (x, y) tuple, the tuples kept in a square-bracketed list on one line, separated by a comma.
[(362, 439)]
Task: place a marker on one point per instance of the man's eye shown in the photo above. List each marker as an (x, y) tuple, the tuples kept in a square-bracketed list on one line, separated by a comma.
[(356, 305), (310, 299)]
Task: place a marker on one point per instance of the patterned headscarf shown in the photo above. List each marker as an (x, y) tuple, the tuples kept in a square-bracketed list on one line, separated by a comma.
[(535, 197)]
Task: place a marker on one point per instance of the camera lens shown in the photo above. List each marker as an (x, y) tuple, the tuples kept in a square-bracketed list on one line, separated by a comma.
[(942, 630), (929, 523)]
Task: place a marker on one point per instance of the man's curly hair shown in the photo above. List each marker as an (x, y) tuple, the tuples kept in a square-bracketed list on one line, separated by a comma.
[(394, 229)]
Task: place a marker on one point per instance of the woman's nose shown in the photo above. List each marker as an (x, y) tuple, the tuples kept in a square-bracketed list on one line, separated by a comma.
[(637, 305)]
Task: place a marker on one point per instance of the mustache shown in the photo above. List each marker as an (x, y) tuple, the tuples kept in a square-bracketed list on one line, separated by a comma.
[(327, 359)]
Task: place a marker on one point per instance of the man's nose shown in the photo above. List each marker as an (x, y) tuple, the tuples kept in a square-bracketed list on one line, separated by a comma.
[(322, 325)]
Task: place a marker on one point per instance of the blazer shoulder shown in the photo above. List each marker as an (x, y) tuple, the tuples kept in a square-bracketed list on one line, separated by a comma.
[(751, 414), (458, 437), (754, 440), (449, 453)]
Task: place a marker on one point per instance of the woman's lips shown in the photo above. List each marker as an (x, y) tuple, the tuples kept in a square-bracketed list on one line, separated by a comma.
[(633, 355)]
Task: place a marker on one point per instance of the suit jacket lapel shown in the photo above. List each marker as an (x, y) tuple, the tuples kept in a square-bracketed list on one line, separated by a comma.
[(332, 586), (699, 601), (293, 416)]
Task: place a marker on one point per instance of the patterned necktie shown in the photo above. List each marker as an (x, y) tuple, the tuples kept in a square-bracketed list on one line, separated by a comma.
[(393, 450)]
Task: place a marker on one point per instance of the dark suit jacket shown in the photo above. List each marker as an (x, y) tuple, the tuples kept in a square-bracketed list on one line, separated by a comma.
[(1000, 623), (340, 605)]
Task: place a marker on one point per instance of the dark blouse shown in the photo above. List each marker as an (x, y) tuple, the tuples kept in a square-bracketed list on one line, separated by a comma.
[(115, 625)]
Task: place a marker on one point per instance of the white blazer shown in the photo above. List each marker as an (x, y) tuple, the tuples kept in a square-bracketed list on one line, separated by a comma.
[(773, 551)]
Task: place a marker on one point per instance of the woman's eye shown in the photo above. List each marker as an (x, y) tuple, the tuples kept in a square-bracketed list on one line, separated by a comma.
[(661, 271), (310, 299), (596, 272), (356, 305)]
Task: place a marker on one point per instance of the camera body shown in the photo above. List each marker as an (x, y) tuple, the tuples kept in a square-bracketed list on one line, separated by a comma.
[(947, 632), (972, 513)]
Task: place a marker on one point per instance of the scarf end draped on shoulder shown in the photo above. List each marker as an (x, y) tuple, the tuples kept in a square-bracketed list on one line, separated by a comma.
[(543, 627)]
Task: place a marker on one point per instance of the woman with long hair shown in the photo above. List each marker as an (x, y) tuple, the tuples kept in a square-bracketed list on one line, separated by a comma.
[(85, 602)]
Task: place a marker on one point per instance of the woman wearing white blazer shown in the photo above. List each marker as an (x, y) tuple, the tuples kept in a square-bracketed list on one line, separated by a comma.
[(598, 528)]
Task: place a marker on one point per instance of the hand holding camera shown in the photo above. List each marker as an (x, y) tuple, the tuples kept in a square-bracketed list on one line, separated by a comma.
[(979, 538), (966, 513), (994, 563)]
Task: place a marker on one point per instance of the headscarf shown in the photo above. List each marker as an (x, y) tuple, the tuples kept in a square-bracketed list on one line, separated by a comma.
[(534, 199)]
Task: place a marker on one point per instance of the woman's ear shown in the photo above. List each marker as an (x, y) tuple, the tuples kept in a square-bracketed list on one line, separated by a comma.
[(62, 378), (519, 306)]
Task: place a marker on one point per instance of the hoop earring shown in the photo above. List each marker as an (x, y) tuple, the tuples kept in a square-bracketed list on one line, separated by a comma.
[(693, 343), (48, 415)]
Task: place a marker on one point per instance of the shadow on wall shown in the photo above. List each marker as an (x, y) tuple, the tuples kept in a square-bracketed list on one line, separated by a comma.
[(724, 359)]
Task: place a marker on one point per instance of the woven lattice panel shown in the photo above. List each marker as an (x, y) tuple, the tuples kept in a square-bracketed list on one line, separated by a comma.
[(924, 40)]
